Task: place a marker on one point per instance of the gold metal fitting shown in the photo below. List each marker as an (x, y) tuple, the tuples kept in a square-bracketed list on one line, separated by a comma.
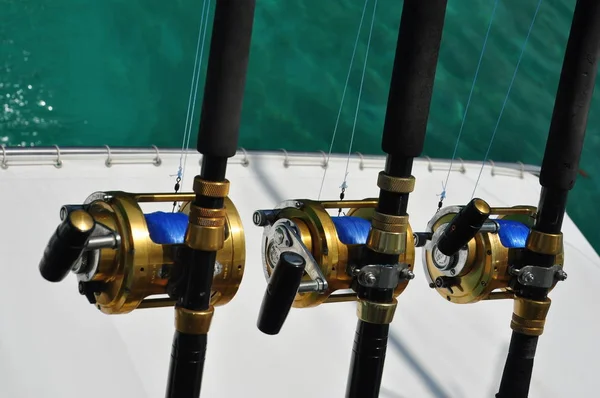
[(395, 184), (208, 222), (319, 235), (540, 242), (388, 223), (379, 313), (207, 228), (529, 316), (197, 212), (207, 238), (193, 322), (482, 206), (81, 220), (386, 242), (211, 189), (136, 273)]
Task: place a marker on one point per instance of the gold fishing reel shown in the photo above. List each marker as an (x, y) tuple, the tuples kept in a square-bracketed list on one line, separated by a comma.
[(125, 259), (475, 252), (333, 258)]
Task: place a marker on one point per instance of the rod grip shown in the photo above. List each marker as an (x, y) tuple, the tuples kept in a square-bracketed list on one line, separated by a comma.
[(463, 227), (226, 78), (281, 290), (516, 377), (66, 245), (573, 98), (187, 365), (368, 358), (413, 75)]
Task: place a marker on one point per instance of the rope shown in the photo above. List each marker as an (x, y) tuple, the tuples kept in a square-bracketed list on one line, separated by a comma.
[(507, 95), (442, 195), (337, 122)]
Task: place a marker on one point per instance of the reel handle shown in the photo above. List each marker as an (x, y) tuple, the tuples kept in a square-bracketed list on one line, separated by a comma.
[(464, 226), (66, 245), (281, 290)]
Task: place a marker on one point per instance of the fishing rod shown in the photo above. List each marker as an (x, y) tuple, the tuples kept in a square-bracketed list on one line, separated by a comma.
[(557, 177), (193, 259), (217, 141), (310, 256), (478, 252)]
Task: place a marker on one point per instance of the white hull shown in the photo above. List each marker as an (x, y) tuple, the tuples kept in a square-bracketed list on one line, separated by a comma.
[(54, 344)]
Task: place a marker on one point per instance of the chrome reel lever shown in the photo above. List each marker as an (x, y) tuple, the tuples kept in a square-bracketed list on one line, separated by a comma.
[(283, 236)]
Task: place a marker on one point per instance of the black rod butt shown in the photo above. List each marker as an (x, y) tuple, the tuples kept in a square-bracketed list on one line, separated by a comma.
[(187, 365), (519, 366), (368, 359)]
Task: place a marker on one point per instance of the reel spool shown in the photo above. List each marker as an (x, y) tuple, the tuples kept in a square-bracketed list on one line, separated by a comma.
[(333, 249), (475, 253), (122, 256)]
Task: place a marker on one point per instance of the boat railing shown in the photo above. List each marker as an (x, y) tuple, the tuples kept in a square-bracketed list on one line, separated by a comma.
[(55, 156)]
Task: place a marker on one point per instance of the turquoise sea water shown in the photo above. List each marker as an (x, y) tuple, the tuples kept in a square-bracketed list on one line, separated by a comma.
[(78, 72)]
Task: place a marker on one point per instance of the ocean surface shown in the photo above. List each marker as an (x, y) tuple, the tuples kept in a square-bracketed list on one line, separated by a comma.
[(119, 72)]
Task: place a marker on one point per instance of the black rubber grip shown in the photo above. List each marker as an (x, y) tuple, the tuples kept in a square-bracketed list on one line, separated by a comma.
[(368, 359), (573, 98), (187, 365), (463, 227), (516, 377), (280, 293), (226, 78), (66, 245), (413, 75)]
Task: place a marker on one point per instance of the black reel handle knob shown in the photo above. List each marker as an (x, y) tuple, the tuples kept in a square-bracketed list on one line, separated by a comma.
[(281, 290), (463, 227), (66, 245), (420, 238)]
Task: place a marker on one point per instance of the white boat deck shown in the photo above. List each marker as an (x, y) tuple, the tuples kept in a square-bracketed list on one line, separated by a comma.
[(54, 344)]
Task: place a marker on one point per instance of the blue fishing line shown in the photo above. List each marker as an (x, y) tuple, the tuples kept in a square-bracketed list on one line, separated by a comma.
[(513, 234), (167, 228), (352, 230)]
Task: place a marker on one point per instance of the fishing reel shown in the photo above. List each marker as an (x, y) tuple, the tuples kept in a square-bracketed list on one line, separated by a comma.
[(311, 257), (125, 259), (476, 252)]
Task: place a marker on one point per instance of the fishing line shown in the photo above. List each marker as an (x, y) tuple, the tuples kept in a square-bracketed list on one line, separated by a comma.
[(507, 95), (442, 195), (207, 2), (362, 80), (192, 97), (337, 122)]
